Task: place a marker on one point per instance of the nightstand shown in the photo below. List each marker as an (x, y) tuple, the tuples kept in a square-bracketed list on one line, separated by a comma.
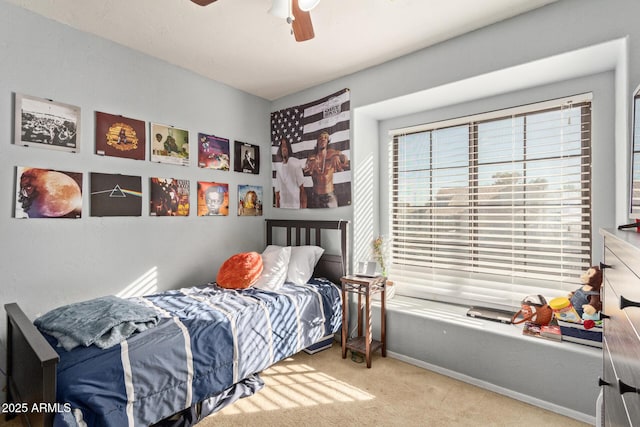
[(363, 343)]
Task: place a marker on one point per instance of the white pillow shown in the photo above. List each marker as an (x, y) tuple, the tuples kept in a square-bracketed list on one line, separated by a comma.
[(275, 261), (303, 261)]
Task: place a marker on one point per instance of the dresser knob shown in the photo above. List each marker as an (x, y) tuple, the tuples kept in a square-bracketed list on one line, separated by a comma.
[(624, 303), (602, 382), (626, 388), (604, 316), (603, 266)]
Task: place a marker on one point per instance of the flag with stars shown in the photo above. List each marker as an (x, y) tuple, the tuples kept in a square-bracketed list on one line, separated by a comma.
[(301, 126)]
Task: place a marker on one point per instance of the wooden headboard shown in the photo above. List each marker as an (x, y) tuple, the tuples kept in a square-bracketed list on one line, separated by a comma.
[(301, 232)]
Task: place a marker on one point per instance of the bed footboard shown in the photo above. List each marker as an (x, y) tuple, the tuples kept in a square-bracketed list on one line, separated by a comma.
[(31, 370)]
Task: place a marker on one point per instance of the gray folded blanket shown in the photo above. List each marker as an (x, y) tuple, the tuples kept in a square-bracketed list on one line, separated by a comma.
[(104, 321)]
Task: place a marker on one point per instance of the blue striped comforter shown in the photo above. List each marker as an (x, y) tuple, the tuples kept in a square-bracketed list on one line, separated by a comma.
[(208, 339)]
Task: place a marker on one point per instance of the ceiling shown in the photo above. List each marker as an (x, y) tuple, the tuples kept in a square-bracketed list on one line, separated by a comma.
[(238, 43)]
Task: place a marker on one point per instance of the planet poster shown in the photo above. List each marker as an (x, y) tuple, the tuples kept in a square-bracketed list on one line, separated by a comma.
[(115, 195), (47, 193)]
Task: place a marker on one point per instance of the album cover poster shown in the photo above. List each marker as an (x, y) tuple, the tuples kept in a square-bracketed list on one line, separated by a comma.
[(169, 145), (249, 200), (213, 152), (247, 158), (115, 195), (169, 197), (314, 138), (120, 136), (213, 199), (48, 193), (44, 123)]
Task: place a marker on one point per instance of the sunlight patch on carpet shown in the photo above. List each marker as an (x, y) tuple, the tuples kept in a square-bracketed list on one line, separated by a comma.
[(291, 385)]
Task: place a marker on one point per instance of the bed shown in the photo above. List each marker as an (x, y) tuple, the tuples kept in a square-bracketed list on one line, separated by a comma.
[(207, 349)]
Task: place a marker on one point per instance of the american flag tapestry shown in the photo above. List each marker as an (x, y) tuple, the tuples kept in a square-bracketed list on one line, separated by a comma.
[(311, 154)]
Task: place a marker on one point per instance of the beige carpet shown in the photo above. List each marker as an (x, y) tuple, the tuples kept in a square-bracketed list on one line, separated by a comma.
[(325, 390)]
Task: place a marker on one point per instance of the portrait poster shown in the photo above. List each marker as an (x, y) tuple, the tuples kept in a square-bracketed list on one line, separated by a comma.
[(120, 136), (213, 152), (247, 158), (169, 197), (115, 195), (44, 123), (169, 144), (249, 200), (213, 199), (48, 193), (316, 139)]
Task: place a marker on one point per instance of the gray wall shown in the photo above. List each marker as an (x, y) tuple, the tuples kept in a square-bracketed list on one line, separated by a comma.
[(48, 262)]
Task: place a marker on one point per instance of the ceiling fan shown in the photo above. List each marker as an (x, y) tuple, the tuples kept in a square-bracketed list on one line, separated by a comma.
[(296, 12)]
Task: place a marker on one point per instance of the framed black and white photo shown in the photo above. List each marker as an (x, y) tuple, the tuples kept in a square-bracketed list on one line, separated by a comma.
[(44, 123), (247, 158)]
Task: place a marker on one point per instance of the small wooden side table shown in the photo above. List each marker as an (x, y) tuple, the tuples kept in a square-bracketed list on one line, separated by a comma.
[(363, 343)]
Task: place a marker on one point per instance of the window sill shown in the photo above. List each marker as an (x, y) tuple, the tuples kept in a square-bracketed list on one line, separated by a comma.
[(457, 315)]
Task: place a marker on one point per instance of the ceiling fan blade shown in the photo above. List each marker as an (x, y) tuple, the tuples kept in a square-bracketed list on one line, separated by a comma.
[(203, 2), (302, 26)]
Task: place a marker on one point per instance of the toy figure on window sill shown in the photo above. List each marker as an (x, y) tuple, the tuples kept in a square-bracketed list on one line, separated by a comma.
[(586, 299)]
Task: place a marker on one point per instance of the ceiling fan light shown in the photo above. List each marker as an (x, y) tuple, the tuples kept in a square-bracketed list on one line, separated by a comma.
[(280, 8), (307, 5)]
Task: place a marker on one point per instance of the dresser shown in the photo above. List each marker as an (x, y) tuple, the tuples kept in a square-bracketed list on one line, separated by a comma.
[(621, 339)]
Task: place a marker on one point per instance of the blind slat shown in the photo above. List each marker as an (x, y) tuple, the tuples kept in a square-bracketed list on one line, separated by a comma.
[(507, 197)]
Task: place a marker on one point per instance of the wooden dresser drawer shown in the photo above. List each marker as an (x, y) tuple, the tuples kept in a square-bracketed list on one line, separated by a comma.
[(621, 331), (623, 349), (625, 284), (615, 412)]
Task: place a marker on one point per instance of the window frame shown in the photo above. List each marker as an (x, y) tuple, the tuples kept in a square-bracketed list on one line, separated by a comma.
[(468, 281)]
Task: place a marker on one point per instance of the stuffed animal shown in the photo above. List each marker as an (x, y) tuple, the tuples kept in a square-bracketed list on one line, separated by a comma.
[(586, 299)]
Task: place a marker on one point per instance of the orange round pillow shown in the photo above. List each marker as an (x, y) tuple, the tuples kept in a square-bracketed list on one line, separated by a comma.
[(240, 271)]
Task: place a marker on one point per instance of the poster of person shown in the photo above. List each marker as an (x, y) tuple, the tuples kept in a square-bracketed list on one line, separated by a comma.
[(247, 158), (213, 199), (312, 140), (169, 144), (115, 195), (47, 193), (169, 197), (120, 136), (46, 124), (249, 200), (213, 152)]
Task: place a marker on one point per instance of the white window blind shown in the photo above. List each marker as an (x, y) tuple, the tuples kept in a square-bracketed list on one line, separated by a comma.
[(492, 208)]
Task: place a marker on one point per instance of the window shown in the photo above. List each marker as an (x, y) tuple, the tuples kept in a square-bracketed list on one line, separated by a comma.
[(491, 208)]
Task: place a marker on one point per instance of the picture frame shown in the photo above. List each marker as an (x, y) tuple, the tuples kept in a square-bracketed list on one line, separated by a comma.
[(213, 198), (115, 195), (169, 144), (47, 193), (250, 200), (213, 152), (169, 197), (247, 158), (45, 123)]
